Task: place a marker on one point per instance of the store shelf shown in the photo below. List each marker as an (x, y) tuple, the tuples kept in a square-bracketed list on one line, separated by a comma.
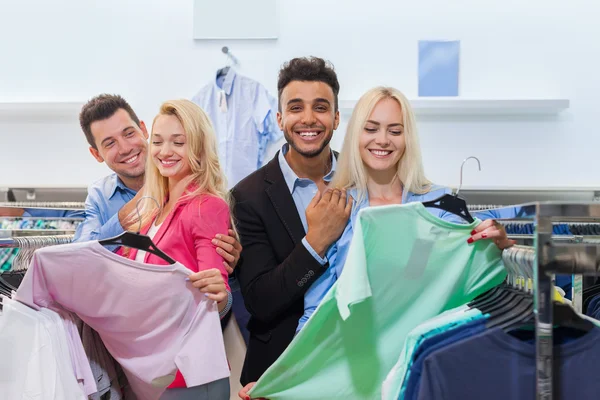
[(462, 106), (39, 110)]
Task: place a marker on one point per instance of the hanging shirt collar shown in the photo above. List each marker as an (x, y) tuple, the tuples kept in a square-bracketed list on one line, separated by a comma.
[(227, 83)]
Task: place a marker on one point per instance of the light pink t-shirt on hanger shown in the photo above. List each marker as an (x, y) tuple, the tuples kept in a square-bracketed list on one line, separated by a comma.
[(149, 317)]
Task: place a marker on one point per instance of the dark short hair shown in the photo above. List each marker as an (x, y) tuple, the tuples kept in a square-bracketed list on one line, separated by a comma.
[(100, 108), (308, 69)]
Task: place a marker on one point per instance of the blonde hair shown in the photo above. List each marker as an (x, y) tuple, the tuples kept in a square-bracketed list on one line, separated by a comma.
[(202, 156), (351, 171)]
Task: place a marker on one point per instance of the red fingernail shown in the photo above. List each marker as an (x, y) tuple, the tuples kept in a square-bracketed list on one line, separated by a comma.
[(484, 235), (247, 397), (473, 232), (470, 240)]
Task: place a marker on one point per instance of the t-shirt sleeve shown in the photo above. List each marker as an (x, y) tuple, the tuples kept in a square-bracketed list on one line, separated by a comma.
[(353, 285), (211, 218), (33, 290)]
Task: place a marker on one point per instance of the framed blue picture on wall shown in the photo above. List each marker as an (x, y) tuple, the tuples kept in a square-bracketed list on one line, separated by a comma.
[(438, 67)]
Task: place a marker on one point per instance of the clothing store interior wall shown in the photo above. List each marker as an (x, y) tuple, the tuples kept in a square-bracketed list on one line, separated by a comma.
[(67, 50)]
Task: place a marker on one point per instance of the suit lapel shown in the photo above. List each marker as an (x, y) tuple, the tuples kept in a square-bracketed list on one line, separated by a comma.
[(282, 200)]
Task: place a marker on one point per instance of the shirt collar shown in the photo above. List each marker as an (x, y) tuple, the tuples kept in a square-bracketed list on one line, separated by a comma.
[(290, 176), (117, 183), (227, 81)]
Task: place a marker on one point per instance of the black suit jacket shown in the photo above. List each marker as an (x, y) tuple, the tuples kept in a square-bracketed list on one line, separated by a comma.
[(276, 270)]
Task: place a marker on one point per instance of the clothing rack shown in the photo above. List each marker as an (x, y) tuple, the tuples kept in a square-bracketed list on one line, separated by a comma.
[(67, 205), (554, 257), (27, 246), (34, 241), (483, 207), (42, 218), (8, 233)]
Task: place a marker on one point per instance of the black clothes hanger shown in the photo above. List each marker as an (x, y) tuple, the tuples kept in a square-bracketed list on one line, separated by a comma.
[(563, 316), (136, 240), (452, 203), (6, 285), (222, 72)]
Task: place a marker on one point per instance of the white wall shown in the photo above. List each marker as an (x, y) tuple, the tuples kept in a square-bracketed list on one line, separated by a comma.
[(69, 50)]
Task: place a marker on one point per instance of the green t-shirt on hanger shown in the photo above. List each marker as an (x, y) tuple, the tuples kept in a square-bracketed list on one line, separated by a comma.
[(404, 267)]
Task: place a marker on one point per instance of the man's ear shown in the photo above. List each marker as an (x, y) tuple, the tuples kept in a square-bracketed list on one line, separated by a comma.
[(94, 152), (280, 120), (336, 121), (144, 130)]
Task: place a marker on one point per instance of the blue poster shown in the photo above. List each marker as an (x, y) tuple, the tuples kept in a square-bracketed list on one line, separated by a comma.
[(438, 67)]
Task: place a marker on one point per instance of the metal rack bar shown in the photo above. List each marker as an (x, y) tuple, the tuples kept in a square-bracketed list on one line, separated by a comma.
[(70, 205), (12, 243), (543, 296), (553, 256), (41, 218), (7, 233)]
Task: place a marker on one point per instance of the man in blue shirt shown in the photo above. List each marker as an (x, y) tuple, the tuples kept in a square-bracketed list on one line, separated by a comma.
[(118, 138)]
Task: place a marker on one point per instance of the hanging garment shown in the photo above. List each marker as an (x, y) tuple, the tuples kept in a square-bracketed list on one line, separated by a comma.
[(497, 365), (243, 115), (431, 344), (150, 318), (399, 253), (337, 253), (79, 361), (35, 363), (447, 320), (106, 371)]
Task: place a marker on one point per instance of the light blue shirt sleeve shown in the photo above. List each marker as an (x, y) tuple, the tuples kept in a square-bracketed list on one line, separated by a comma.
[(92, 227), (312, 251), (317, 291)]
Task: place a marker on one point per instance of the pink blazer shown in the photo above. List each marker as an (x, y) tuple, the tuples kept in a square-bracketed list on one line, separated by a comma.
[(186, 234)]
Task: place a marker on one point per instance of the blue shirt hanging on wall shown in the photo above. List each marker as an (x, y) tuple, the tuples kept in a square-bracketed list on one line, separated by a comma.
[(243, 114)]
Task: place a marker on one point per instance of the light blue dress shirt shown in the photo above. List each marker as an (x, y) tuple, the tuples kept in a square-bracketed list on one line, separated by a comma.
[(303, 190), (105, 198), (339, 251), (243, 115)]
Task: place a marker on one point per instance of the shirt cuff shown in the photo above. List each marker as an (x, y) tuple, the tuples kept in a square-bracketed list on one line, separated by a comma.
[(224, 312), (312, 251), (111, 228)]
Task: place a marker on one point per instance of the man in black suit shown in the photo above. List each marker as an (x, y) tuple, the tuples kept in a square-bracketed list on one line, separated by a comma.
[(286, 216)]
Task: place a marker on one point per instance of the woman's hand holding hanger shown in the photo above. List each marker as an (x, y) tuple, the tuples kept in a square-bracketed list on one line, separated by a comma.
[(491, 230)]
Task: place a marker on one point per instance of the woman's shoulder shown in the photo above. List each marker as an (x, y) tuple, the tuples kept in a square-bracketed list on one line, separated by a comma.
[(204, 205), (432, 192), (206, 200)]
